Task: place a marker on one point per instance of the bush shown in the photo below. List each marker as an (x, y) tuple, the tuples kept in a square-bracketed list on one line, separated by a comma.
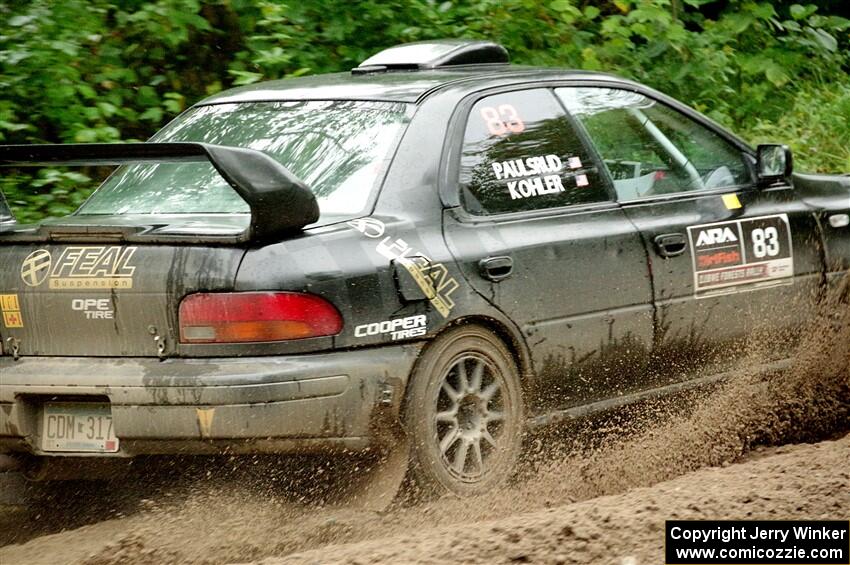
[(110, 70), (816, 126)]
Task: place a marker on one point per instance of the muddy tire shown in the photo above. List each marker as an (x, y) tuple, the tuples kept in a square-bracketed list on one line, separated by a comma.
[(463, 414)]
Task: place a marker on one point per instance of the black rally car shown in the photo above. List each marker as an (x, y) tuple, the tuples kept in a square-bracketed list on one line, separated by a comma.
[(437, 242)]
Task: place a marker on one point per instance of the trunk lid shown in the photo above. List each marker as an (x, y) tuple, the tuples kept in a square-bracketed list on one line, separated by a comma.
[(110, 283), (103, 298)]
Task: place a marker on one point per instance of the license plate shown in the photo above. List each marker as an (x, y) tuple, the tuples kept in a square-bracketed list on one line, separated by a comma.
[(70, 426)]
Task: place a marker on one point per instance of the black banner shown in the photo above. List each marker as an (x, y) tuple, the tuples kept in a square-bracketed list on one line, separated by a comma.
[(754, 542)]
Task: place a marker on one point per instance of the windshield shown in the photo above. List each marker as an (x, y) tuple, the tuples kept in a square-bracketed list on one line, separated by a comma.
[(340, 149)]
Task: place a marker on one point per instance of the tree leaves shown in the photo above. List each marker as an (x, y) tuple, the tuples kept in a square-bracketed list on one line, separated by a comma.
[(823, 38), (108, 70)]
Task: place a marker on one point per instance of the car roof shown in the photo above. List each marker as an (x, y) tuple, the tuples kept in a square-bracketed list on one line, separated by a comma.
[(409, 85)]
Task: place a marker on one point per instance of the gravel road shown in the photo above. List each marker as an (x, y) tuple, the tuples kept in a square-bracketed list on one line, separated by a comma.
[(763, 445)]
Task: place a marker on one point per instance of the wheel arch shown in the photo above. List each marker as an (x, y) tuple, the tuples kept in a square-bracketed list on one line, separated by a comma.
[(510, 336), (504, 330)]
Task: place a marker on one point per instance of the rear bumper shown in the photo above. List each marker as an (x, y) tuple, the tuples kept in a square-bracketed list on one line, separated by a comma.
[(297, 403)]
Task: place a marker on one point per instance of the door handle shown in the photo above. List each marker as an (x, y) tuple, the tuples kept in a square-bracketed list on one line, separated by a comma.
[(670, 244), (496, 268)]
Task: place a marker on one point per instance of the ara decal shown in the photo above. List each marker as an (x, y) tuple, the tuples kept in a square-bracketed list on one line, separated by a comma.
[(753, 252)]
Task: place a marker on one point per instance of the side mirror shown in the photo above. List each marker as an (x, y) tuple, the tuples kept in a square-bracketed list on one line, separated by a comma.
[(774, 163)]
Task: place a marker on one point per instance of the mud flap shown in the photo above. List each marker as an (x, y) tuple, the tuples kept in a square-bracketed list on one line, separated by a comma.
[(376, 483), (12, 483)]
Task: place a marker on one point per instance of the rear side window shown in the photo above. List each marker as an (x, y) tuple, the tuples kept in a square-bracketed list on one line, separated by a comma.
[(521, 153)]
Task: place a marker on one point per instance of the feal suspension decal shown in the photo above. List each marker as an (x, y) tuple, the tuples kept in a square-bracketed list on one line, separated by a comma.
[(751, 251), (433, 278), (80, 268)]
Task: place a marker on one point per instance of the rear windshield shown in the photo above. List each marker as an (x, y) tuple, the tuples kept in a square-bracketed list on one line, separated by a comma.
[(340, 149), (5, 213)]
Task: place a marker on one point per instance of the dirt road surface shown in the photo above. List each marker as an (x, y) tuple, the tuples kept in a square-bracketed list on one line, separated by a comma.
[(803, 481), (807, 481), (770, 445)]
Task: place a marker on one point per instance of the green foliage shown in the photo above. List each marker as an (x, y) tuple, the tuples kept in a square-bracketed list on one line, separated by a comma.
[(50, 193), (817, 127), (110, 70)]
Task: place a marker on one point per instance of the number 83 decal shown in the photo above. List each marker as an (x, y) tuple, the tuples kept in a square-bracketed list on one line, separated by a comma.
[(767, 238), (502, 119), (765, 242)]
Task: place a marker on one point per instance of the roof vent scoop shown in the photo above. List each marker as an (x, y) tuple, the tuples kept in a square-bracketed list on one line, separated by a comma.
[(435, 54)]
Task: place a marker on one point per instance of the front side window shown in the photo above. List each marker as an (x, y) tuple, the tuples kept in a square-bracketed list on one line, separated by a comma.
[(520, 152), (649, 148), (340, 149)]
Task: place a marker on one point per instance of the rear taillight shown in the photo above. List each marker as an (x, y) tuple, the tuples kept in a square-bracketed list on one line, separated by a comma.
[(256, 316)]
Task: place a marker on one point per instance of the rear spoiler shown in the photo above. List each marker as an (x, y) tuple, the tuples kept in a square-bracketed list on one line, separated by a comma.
[(280, 203)]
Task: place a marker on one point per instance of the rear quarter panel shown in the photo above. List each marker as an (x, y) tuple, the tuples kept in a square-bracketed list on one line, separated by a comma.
[(357, 264)]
